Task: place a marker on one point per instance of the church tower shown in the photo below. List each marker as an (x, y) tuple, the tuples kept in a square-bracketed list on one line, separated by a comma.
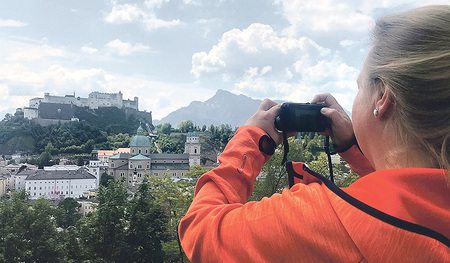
[(140, 144), (192, 147)]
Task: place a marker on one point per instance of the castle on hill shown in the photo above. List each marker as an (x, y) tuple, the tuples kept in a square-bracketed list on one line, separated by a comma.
[(61, 108)]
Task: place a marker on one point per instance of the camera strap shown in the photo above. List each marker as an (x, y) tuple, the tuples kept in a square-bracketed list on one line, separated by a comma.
[(285, 148), (327, 151)]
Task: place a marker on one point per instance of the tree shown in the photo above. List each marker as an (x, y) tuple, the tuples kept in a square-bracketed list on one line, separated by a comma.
[(147, 227), (15, 218), (66, 213), (170, 143), (195, 171), (348, 180), (104, 232), (105, 179), (45, 160), (186, 126), (166, 128), (44, 245), (80, 161), (27, 235), (50, 148), (175, 197), (275, 174), (117, 141)]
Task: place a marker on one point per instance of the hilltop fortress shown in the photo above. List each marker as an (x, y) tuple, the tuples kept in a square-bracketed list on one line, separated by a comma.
[(60, 108)]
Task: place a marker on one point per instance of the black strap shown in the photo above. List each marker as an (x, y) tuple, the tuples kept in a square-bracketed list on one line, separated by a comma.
[(285, 148), (327, 151)]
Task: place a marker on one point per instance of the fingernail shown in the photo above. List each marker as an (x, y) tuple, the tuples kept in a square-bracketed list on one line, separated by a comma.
[(324, 110)]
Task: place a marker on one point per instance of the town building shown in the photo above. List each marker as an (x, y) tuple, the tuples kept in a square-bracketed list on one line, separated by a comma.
[(87, 206), (58, 183), (132, 166), (103, 155), (192, 147), (2, 185)]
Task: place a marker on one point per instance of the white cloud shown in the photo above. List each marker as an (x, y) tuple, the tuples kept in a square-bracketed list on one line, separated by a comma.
[(145, 15), (89, 50), (18, 75), (123, 14), (126, 48), (324, 16), (4, 94), (347, 43), (153, 23), (155, 3), (31, 53), (11, 23), (260, 63), (257, 46)]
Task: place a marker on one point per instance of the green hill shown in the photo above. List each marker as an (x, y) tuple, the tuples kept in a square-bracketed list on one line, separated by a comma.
[(20, 135)]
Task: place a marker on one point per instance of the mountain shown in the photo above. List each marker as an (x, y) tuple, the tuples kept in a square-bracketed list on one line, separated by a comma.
[(223, 108)]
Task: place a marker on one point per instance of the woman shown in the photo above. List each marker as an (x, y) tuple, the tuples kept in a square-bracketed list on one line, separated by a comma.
[(399, 211)]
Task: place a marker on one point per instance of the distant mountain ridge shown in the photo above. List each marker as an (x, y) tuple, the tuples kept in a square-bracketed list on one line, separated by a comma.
[(223, 108)]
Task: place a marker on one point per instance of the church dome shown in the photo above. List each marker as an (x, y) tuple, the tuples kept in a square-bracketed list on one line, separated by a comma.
[(140, 140)]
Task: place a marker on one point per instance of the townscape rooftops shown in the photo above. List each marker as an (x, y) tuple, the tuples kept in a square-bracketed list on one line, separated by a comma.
[(170, 166), (112, 152), (60, 175), (121, 156), (168, 156), (139, 157), (140, 141)]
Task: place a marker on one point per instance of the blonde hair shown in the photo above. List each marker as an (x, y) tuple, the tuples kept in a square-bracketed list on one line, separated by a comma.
[(410, 56)]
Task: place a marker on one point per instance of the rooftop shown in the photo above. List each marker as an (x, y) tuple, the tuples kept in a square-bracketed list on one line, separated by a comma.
[(59, 174)]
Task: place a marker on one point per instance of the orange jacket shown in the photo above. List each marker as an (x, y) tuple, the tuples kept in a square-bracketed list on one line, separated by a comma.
[(399, 215)]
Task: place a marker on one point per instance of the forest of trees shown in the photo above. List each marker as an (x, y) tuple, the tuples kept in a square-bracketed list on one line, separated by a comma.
[(122, 228)]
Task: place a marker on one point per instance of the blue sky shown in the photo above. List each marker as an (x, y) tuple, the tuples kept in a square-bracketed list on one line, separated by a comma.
[(172, 52)]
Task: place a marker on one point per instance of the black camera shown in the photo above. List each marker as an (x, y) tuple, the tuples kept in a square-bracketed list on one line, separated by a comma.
[(301, 117)]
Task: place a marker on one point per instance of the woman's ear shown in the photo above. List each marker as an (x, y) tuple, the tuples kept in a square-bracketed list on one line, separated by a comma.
[(384, 102)]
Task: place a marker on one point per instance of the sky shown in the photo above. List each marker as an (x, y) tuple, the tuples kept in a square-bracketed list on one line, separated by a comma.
[(172, 52)]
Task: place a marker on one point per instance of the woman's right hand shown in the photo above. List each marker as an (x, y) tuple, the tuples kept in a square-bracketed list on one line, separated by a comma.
[(341, 131)]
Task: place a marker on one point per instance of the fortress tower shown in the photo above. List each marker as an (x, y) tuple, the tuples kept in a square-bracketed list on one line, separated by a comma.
[(192, 147)]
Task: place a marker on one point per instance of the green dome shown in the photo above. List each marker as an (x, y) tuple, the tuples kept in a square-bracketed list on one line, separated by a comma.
[(140, 140)]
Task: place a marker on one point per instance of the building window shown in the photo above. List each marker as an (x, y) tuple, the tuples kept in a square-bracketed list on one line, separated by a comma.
[(139, 166)]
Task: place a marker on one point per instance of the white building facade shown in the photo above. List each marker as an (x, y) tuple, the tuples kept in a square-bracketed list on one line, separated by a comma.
[(59, 183)]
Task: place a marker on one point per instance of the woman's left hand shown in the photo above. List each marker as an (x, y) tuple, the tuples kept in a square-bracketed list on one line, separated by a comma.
[(264, 118)]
